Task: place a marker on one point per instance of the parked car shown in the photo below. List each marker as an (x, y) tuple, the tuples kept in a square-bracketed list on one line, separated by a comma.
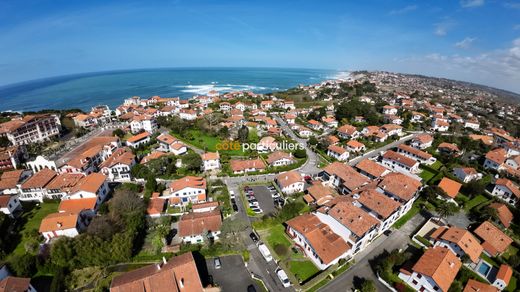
[(253, 236), (283, 277), (235, 207), (251, 288), (253, 204), (256, 209), (232, 195), (217, 263), (275, 195)]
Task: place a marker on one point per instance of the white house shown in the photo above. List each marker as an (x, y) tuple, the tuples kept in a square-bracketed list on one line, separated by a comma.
[(189, 189), (188, 114), (435, 271), (143, 122), (63, 224), (318, 241), (337, 152), (506, 190), (466, 174), (280, 158), (472, 124), (290, 182), (210, 161), (168, 143), (389, 110), (398, 162), (93, 185), (138, 140), (117, 166), (348, 132), (422, 141), (414, 153), (495, 159), (196, 227), (503, 277), (10, 205)]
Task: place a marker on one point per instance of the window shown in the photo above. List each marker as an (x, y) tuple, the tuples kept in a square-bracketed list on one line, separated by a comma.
[(419, 276), (414, 282)]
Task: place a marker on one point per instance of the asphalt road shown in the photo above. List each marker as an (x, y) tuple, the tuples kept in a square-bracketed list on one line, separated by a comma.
[(231, 276)]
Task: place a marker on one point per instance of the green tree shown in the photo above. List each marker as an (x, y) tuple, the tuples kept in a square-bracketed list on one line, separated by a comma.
[(151, 184), (368, 286), (445, 210), (62, 252), (192, 162), (118, 133), (243, 134), (23, 265), (300, 153)]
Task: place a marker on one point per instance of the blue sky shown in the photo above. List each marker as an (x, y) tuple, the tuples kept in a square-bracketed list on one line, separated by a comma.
[(473, 40)]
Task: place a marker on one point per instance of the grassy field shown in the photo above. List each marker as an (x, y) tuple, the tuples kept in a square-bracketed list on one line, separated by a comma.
[(277, 236), (512, 250), (207, 142), (436, 165), (512, 285), (32, 219), (303, 270), (475, 202), (426, 175)]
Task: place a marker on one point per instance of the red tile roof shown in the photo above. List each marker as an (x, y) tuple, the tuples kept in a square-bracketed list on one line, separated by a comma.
[(440, 264), (450, 187), (196, 223), (495, 241)]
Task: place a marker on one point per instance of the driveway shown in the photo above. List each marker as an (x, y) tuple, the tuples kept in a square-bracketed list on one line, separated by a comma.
[(232, 276)]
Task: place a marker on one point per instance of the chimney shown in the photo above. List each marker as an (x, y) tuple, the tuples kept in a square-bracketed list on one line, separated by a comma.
[(181, 283), (59, 224)]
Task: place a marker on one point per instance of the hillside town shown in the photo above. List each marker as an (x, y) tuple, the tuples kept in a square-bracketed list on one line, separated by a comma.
[(375, 182)]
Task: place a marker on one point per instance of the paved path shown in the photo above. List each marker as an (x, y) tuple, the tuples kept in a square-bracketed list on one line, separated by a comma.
[(396, 240)]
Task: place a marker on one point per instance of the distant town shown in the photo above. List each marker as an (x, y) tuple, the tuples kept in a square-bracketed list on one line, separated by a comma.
[(377, 181)]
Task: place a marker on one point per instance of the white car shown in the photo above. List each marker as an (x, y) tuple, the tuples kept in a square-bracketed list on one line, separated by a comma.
[(256, 209), (253, 204), (231, 194), (283, 278)]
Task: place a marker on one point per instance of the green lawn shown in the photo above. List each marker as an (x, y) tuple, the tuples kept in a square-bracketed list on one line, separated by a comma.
[(486, 258), (436, 165), (413, 211), (509, 252), (277, 236), (475, 202), (426, 175), (207, 142), (303, 270), (34, 218)]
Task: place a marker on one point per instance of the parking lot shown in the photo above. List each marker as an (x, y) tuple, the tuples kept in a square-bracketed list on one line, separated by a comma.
[(263, 195), (232, 276)]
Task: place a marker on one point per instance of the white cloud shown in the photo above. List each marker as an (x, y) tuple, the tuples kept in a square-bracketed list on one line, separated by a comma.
[(471, 3), (465, 43), (499, 68), (403, 10), (442, 28)]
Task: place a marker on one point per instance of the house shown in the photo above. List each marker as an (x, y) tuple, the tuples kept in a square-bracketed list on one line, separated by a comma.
[(84, 121), (33, 189), (315, 125), (459, 241), (476, 286), (224, 106), (380, 206), (440, 125), (345, 178), (337, 152), (319, 194), (392, 130), (290, 118), (506, 190), (355, 146), (90, 156), (330, 122), (304, 132), (15, 284), (61, 185), (152, 156), (10, 205), (422, 141), (189, 189), (280, 158), (143, 122), (513, 162), (178, 274), (505, 216), (356, 226), (450, 187), (89, 205), (389, 110), (63, 224), (10, 181), (434, 271), (503, 277), (288, 105), (494, 241), (371, 169), (31, 129), (448, 149), (466, 174), (267, 144), (245, 166), (348, 132), (205, 207), (495, 159), (266, 104), (117, 166), (472, 124), (138, 140), (93, 185), (400, 162), (12, 157), (168, 143), (188, 114), (402, 188), (317, 240), (196, 227), (417, 154), (210, 161), (290, 182)]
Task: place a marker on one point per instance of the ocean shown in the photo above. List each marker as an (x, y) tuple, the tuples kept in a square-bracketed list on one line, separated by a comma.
[(111, 88)]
